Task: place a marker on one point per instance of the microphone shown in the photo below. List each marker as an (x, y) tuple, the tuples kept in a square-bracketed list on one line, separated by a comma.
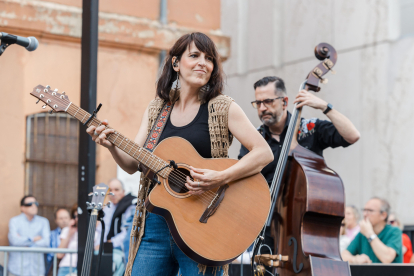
[(30, 43)]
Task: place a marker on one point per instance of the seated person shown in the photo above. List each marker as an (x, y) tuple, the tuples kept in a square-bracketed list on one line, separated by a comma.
[(62, 219), (351, 222), (377, 242), (115, 218), (407, 248), (69, 239), (28, 230)]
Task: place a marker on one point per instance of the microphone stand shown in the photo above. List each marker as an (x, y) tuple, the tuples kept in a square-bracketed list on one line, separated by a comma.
[(3, 47)]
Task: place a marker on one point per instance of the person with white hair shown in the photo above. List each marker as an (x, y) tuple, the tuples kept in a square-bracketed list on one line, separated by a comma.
[(115, 219), (351, 222), (377, 242)]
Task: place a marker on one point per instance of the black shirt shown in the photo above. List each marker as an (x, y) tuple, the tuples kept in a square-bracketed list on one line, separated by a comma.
[(196, 132), (314, 134)]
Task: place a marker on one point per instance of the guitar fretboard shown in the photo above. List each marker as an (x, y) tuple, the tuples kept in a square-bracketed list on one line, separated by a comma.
[(140, 154)]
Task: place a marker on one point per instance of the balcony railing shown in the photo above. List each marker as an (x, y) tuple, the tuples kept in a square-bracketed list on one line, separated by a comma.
[(7, 249)]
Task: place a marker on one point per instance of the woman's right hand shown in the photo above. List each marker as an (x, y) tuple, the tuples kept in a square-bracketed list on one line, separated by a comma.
[(100, 134), (73, 228)]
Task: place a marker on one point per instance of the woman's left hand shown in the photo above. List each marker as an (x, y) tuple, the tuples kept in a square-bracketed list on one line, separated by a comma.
[(204, 180)]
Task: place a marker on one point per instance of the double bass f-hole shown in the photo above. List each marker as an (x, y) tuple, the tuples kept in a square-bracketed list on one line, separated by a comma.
[(295, 254)]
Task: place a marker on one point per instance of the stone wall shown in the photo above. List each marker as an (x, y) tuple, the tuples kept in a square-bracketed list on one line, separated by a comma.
[(372, 85)]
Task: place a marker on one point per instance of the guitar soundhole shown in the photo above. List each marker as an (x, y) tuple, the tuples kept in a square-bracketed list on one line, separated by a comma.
[(177, 179)]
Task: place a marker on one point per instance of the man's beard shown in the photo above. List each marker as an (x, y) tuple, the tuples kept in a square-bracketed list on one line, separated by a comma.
[(269, 121)]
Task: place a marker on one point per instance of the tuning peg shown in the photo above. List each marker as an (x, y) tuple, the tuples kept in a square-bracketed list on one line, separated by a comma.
[(95, 193), (333, 71), (63, 93), (100, 205), (88, 203), (38, 101), (108, 204), (93, 204), (102, 194), (47, 86), (44, 106), (51, 111), (324, 81), (90, 194), (111, 193), (56, 90)]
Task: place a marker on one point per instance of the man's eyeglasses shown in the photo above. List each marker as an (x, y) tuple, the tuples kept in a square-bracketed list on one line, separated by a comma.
[(370, 211), (31, 203), (266, 102)]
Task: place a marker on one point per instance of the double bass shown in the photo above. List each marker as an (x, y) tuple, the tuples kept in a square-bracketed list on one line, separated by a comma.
[(308, 200)]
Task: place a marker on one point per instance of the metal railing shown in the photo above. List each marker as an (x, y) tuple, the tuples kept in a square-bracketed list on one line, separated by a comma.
[(7, 249)]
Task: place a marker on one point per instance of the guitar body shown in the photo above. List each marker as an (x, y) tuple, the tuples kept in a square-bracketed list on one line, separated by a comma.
[(234, 225)]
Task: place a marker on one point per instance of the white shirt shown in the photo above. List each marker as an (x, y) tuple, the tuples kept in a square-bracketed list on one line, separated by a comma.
[(73, 244)]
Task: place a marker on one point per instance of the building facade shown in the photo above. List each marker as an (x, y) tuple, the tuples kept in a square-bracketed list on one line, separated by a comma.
[(39, 151)]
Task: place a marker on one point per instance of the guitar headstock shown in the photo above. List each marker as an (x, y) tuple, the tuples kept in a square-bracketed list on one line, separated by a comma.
[(99, 197), (59, 102)]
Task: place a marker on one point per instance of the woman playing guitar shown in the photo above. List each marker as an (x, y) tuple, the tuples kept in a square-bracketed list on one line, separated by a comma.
[(208, 120)]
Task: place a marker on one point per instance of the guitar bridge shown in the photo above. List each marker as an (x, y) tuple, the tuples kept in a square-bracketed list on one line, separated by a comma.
[(214, 204)]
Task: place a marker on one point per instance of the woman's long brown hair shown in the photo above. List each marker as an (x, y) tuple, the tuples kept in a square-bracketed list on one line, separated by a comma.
[(168, 76)]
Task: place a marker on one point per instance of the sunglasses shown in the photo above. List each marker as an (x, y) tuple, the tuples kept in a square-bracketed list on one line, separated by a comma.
[(31, 203)]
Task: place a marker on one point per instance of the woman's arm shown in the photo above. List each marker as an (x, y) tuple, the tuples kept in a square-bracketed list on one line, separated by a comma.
[(64, 241), (259, 156), (126, 162)]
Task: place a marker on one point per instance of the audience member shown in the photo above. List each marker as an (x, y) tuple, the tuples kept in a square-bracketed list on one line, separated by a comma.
[(115, 219), (351, 222), (344, 240), (407, 248), (28, 230), (69, 239), (62, 219), (377, 242)]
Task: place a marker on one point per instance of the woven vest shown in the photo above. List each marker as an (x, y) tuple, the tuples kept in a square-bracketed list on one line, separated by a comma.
[(220, 138)]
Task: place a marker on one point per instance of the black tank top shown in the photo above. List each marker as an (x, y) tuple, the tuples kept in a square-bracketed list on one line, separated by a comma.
[(196, 132)]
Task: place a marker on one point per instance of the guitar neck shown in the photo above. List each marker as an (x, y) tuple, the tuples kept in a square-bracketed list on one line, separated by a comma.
[(87, 258), (128, 146)]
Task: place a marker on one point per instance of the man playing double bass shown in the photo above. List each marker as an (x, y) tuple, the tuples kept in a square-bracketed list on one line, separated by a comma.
[(314, 134)]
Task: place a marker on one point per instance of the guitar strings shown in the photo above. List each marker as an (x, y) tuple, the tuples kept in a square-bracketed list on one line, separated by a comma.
[(178, 175), (87, 257)]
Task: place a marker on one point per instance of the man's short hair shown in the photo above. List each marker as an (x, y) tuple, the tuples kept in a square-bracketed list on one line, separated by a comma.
[(24, 198), (112, 179), (385, 206), (55, 214), (279, 84)]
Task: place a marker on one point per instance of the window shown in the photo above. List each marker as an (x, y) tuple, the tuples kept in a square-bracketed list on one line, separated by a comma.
[(407, 18), (52, 162)]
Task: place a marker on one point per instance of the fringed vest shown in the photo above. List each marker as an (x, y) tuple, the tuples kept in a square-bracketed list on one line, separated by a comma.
[(220, 138)]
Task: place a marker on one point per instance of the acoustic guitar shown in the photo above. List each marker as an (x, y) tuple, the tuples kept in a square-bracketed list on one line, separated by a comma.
[(213, 228)]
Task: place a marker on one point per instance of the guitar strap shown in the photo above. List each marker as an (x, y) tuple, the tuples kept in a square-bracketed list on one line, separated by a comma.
[(155, 134)]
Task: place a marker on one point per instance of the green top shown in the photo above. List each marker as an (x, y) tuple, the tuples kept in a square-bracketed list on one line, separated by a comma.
[(391, 236)]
